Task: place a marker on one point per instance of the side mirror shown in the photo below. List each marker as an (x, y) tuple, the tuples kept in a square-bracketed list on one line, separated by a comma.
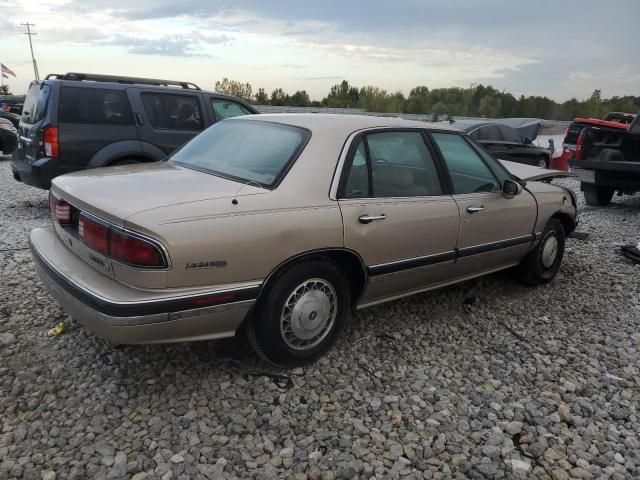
[(511, 188)]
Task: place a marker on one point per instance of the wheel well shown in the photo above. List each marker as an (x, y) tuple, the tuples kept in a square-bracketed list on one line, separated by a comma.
[(567, 223), (137, 158), (347, 261)]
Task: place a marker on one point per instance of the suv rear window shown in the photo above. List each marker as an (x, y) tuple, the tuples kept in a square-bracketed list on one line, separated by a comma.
[(94, 106), (173, 112), (245, 151), (35, 105)]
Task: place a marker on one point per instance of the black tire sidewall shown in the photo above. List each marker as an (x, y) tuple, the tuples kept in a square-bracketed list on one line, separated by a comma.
[(541, 273), (265, 321)]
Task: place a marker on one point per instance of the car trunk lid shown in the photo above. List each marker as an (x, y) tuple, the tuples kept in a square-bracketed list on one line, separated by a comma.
[(115, 193)]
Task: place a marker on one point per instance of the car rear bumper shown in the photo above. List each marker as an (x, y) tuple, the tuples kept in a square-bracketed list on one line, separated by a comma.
[(37, 174), (129, 317)]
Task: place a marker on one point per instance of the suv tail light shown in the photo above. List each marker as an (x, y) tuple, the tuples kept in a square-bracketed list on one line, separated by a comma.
[(51, 143), (118, 244), (61, 211), (579, 148)]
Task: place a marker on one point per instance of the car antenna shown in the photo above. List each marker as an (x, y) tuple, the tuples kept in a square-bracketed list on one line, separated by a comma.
[(235, 197)]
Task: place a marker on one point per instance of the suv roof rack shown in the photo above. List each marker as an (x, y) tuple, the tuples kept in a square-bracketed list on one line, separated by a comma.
[(91, 77)]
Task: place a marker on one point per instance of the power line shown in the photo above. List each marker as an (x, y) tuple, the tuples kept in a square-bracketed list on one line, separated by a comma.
[(33, 57)]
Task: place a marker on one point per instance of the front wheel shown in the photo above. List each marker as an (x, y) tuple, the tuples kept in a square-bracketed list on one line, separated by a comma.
[(597, 196), (543, 262), (301, 314)]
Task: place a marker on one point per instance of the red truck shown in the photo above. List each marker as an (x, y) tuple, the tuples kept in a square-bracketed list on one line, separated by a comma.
[(607, 160)]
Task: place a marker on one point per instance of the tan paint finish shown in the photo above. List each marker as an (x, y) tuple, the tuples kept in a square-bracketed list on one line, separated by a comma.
[(193, 215), (414, 227), (502, 219)]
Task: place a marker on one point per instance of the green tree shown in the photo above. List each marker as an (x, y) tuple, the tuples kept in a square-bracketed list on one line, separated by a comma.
[(4, 90), (235, 88), (261, 97), (342, 95), (278, 97), (300, 99)]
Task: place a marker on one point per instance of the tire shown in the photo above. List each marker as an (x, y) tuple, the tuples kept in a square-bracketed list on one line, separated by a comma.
[(597, 196), (288, 331), (542, 161), (543, 262)]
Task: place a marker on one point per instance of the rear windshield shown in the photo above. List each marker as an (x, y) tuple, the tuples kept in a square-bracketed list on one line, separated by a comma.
[(244, 151), (35, 105)]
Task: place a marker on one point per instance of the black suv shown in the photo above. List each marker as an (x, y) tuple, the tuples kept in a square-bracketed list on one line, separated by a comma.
[(77, 121)]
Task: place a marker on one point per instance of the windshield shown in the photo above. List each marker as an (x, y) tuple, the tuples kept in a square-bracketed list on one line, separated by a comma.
[(245, 151), (35, 105)]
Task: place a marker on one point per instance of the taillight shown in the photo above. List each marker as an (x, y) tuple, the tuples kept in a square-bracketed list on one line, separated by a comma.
[(61, 211), (118, 244), (579, 148), (51, 143), (134, 251), (94, 234)]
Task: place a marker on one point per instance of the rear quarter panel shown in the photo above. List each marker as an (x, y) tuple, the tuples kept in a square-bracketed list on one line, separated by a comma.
[(238, 243)]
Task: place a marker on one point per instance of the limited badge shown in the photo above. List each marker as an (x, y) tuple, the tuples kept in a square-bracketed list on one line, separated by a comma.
[(210, 264)]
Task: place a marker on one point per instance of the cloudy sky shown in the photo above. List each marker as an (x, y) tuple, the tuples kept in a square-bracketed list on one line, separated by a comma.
[(558, 48)]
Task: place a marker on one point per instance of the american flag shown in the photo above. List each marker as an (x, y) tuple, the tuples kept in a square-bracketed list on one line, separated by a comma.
[(6, 70)]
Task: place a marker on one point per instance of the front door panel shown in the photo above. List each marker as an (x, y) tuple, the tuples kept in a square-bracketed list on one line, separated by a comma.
[(494, 230)]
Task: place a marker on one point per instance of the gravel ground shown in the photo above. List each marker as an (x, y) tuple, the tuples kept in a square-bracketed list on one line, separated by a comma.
[(488, 379)]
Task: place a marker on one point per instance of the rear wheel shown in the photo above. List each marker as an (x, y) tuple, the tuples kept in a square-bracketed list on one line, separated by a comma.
[(301, 314), (597, 196), (543, 262)]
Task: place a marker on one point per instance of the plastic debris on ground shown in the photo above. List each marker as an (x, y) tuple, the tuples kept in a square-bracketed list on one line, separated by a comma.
[(58, 330)]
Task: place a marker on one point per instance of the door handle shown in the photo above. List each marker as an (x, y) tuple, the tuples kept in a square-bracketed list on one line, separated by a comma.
[(370, 218), (139, 119), (475, 209)]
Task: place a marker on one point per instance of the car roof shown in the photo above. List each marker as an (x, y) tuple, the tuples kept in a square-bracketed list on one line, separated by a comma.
[(472, 125), (320, 122)]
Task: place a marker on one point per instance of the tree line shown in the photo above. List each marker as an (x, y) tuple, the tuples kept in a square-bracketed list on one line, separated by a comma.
[(474, 101)]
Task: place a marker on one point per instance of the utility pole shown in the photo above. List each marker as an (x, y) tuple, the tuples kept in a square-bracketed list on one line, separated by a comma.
[(33, 57)]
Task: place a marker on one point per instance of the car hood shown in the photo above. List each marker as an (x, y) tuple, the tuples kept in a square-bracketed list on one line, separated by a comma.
[(528, 172), (116, 193)]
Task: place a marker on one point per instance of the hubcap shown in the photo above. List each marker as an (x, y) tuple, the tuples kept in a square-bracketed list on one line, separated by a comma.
[(308, 314), (549, 251), (542, 163)]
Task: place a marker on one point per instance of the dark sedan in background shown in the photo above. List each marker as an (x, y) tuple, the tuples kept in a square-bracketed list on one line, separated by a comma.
[(507, 143)]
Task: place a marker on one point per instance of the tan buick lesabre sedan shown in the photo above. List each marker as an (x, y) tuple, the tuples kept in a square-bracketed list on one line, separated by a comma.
[(281, 225)]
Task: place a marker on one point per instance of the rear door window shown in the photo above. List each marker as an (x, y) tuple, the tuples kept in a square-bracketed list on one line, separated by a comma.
[(94, 106), (168, 111), (35, 105), (399, 163), (224, 108)]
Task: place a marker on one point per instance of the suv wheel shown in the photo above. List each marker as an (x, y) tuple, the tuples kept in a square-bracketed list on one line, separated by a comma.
[(543, 262), (301, 314), (597, 196)]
